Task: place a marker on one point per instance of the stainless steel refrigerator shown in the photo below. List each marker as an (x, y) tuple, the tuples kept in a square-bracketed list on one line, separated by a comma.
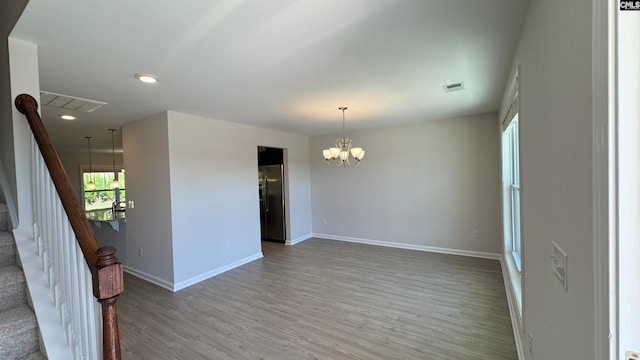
[(271, 189)]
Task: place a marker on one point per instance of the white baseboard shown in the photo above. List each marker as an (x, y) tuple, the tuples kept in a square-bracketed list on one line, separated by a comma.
[(434, 249), (174, 287), (298, 239), (150, 278), (513, 308), (209, 274)]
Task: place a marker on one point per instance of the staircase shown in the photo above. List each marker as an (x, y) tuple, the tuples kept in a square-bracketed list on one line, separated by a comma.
[(19, 334)]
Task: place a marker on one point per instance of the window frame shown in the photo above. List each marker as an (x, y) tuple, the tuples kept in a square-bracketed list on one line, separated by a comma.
[(511, 136), (100, 169)]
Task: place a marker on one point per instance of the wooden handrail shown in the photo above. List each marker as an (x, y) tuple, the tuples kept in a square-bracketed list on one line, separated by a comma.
[(106, 271)]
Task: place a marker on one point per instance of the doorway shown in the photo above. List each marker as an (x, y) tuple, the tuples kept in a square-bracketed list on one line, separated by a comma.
[(271, 190)]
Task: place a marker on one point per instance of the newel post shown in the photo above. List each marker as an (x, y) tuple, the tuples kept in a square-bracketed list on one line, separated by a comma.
[(108, 283)]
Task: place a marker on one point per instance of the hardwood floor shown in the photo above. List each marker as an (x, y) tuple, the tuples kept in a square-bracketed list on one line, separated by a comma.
[(323, 299)]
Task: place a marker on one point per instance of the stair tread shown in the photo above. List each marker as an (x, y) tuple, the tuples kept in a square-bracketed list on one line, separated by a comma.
[(6, 238), (18, 332), (10, 275), (12, 287), (19, 317), (37, 355), (4, 225), (7, 249)]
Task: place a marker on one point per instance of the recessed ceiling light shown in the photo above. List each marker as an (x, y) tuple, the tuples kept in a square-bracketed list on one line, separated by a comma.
[(67, 117), (147, 78)]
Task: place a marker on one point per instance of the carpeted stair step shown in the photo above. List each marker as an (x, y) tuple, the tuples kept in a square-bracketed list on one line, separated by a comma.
[(7, 249), (18, 333), (12, 287), (4, 217), (34, 356)]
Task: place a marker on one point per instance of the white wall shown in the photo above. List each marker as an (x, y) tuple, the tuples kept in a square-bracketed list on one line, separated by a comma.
[(628, 179), (194, 183), (149, 225), (23, 59), (554, 54), (214, 192), (9, 13), (428, 184)]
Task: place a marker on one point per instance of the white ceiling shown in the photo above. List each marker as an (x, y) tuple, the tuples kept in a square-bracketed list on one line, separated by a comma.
[(280, 64)]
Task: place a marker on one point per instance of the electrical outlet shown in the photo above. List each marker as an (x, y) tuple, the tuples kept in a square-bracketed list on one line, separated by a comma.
[(476, 234), (530, 336), (632, 355), (140, 253), (324, 221)]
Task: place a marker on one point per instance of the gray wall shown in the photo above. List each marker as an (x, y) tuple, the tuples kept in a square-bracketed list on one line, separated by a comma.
[(214, 191), (554, 54), (194, 183), (146, 160), (428, 184)]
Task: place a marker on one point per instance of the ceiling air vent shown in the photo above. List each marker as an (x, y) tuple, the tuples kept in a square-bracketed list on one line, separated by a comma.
[(69, 102), (454, 87)]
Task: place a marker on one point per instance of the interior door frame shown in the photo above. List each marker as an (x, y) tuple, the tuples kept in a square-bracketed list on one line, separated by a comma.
[(285, 190)]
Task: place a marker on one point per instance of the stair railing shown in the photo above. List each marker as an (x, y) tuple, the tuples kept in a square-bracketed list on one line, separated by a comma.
[(59, 237)]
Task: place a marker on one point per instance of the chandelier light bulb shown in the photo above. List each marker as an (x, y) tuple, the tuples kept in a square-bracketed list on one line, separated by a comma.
[(355, 152), (90, 185), (115, 184)]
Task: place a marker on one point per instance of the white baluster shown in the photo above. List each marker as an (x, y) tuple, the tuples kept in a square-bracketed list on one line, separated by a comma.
[(69, 276)]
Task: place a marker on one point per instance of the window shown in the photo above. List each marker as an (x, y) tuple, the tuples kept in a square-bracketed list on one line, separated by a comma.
[(103, 197), (511, 156), (511, 194)]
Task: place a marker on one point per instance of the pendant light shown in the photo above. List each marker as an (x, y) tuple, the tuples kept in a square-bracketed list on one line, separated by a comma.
[(343, 154), (90, 185), (115, 184)]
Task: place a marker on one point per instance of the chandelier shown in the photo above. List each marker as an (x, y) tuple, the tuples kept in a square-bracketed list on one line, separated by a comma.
[(343, 154)]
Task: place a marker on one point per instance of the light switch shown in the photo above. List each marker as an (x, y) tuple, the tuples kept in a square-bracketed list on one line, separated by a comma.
[(559, 265)]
